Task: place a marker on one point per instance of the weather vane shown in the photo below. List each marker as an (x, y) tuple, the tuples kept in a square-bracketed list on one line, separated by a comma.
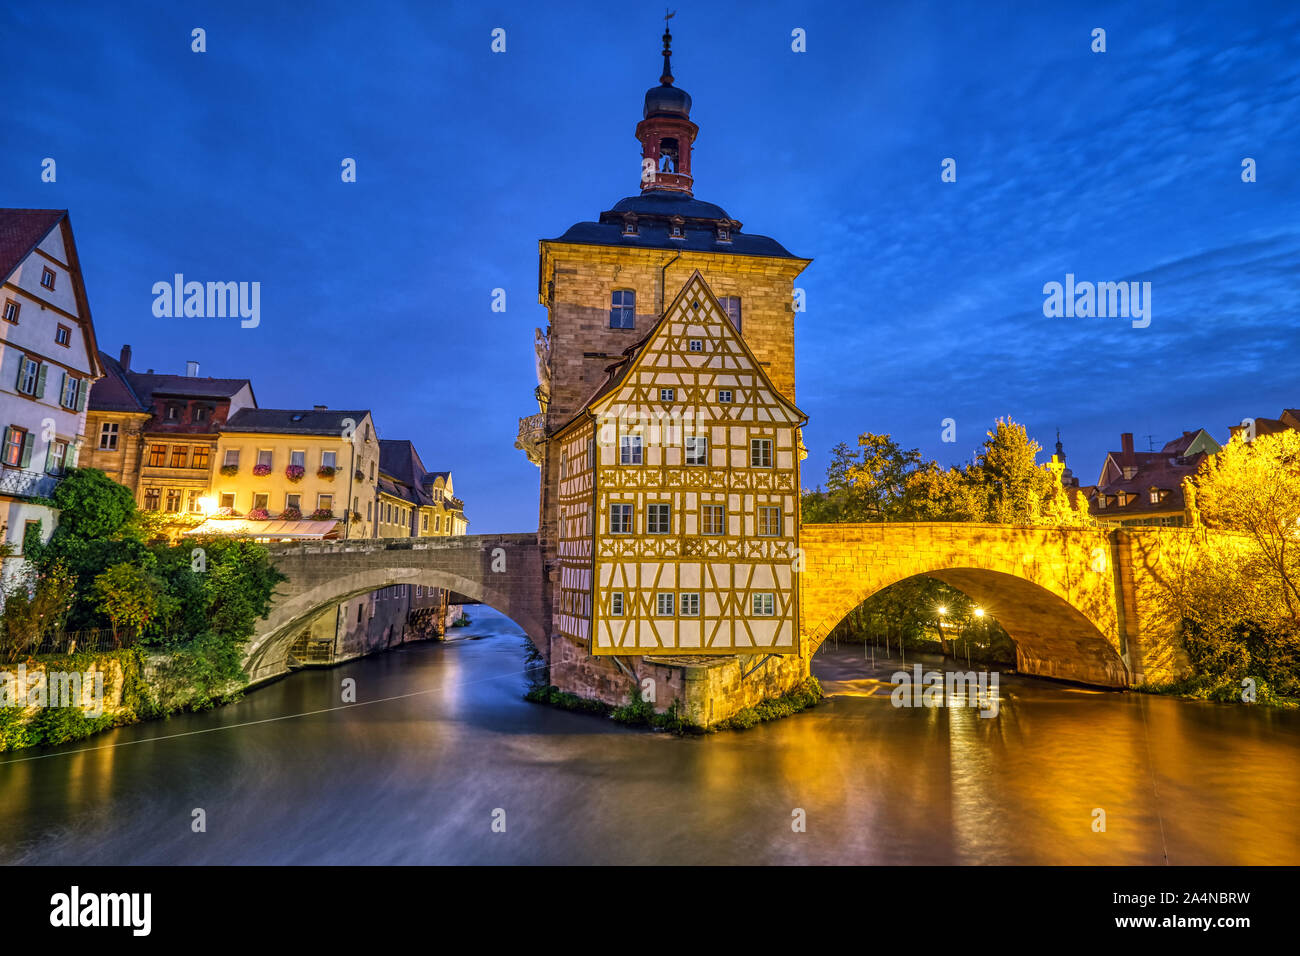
[(668, 16)]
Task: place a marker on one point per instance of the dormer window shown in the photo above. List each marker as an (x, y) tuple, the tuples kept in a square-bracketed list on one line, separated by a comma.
[(677, 228), (1129, 472), (173, 413), (1101, 502), (629, 225), (724, 234)]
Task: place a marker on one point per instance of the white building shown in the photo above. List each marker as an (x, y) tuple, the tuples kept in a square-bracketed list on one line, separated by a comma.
[(48, 360)]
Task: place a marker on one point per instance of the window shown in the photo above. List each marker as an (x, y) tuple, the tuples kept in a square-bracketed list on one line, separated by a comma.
[(298, 458), (437, 522), (1101, 501), (54, 460), (616, 604), (620, 519), (193, 507), (690, 605), (1155, 496), (658, 519), (724, 234), (328, 458), (227, 501), (264, 456), (713, 520), (697, 345), (325, 503), (622, 309), (15, 440), (731, 305), (370, 505), (764, 604), (12, 309), (157, 456), (173, 413), (231, 459), (47, 277), (261, 500), (697, 450), (666, 395), (71, 389), (153, 498), (424, 522), (180, 456), (629, 451), (200, 413), (372, 469), (760, 453), (63, 336), (664, 604), (769, 521), (724, 396), (29, 375), (200, 457), (108, 436), (293, 501), (173, 500)]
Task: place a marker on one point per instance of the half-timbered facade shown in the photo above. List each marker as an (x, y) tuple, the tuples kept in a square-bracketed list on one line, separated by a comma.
[(678, 497)]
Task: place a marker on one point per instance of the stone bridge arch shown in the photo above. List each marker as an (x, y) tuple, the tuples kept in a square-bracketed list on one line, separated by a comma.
[(503, 572), (1053, 590)]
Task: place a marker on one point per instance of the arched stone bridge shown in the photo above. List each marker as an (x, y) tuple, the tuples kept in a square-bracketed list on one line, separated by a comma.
[(503, 571), (1079, 603)]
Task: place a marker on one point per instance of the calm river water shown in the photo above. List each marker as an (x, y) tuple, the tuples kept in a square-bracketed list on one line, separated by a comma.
[(443, 739)]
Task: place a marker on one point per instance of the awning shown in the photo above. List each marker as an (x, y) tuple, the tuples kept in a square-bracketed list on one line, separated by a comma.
[(274, 529)]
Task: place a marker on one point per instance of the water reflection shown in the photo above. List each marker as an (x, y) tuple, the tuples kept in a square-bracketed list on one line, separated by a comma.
[(416, 778)]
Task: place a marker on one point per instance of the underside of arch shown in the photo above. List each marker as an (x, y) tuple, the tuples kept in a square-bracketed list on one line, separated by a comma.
[(1053, 637), (267, 653)]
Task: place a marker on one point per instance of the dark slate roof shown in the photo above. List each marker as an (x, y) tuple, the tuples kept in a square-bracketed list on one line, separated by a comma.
[(122, 390), (113, 392), (293, 421), (21, 231), (654, 209), (398, 457)]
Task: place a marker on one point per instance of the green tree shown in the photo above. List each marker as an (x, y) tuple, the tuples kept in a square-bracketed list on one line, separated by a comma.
[(35, 605), (128, 596), (92, 506), (869, 483)]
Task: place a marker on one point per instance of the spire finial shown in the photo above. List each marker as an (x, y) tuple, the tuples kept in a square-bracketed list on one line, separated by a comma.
[(667, 78)]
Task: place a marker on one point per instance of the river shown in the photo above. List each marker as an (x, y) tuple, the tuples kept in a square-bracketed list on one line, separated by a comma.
[(442, 744)]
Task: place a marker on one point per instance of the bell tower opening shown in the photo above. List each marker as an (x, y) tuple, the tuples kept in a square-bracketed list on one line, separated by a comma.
[(666, 134)]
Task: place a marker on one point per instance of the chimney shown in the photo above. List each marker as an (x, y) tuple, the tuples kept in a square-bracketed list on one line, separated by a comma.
[(320, 408), (125, 358), (192, 369), (1126, 445)]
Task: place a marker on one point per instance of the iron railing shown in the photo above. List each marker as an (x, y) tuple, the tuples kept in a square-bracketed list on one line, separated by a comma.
[(27, 484)]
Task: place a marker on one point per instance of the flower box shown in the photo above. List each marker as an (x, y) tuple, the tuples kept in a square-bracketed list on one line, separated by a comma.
[(295, 472), (261, 470), (229, 470), (291, 514), (326, 472), (322, 514), (259, 514)]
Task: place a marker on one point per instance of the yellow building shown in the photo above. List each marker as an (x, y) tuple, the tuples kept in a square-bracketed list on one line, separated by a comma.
[(414, 502), (295, 473), (690, 455)]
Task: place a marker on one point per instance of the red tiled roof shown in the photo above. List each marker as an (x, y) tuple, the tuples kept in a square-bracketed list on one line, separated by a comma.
[(21, 231)]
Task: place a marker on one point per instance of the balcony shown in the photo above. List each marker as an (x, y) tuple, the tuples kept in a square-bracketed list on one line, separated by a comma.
[(27, 484)]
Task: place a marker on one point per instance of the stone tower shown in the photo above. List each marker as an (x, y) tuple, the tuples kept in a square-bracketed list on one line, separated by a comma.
[(606, 283)]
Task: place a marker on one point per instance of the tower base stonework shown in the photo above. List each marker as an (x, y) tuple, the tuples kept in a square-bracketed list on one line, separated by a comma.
[(707, 690)]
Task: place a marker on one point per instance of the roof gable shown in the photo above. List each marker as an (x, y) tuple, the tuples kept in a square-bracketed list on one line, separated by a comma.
[(696, 314)]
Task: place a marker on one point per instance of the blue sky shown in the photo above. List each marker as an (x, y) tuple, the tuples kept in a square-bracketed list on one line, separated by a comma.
[(924, 299)]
